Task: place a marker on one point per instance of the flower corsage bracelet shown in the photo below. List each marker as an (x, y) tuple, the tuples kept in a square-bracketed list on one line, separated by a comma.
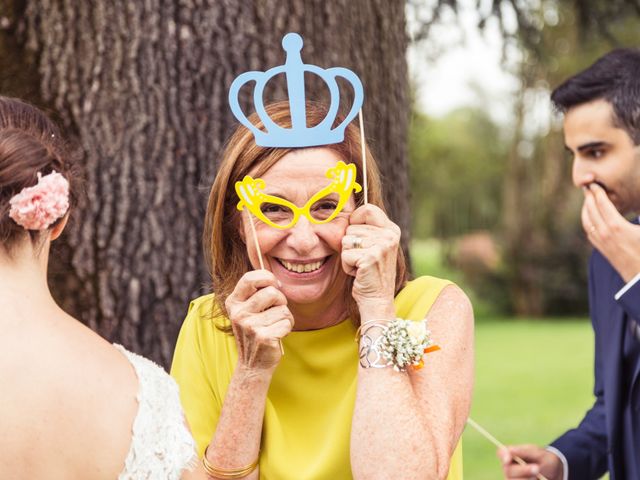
[(400, 344)]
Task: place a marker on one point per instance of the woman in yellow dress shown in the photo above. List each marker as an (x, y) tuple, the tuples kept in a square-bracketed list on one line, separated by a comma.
[(271, 380)]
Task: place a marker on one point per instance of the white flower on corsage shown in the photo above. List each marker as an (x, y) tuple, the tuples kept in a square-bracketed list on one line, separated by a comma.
[(405, 342), (417, 330)]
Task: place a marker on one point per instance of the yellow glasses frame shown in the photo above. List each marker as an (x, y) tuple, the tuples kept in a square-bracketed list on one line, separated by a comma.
[(343, 183)]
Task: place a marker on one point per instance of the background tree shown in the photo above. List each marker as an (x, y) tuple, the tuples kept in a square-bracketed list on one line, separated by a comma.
[(141, 87), (455, 173)]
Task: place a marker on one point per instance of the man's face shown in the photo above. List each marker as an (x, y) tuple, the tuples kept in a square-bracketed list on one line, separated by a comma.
[(603, 153)]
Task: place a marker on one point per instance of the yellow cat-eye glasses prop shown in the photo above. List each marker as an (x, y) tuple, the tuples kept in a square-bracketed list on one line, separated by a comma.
[(322, 207)]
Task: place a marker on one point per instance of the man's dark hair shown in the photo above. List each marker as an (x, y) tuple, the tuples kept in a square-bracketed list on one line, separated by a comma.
[(615, 77)]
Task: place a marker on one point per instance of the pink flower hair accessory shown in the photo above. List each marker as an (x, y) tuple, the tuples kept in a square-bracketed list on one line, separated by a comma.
[(38, 207)]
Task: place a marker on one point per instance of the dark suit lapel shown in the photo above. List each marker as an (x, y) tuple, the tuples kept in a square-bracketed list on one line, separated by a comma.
[(633, 329), (613, 322)]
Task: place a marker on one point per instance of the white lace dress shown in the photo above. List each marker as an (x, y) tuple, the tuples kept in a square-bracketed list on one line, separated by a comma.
[(162, 446)]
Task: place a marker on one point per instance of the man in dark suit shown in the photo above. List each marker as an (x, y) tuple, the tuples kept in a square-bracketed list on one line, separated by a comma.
[(601, 107)]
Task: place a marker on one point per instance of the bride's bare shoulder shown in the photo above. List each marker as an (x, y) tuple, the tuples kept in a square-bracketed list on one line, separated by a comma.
[(71, 390)]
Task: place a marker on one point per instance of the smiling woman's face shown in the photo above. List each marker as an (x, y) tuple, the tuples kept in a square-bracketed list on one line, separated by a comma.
[(306, 257)]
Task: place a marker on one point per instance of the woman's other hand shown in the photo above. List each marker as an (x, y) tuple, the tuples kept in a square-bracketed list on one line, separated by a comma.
[(260, 318), (369, 253)]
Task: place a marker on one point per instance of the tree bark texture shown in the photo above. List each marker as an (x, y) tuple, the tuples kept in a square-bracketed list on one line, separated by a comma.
[(141, 86)]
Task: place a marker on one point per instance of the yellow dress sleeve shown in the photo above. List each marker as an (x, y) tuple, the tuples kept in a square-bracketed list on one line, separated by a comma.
[(201, 407), (455, 467)]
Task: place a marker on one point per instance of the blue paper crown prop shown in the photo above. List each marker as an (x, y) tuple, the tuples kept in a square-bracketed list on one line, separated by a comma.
[(299, 135)]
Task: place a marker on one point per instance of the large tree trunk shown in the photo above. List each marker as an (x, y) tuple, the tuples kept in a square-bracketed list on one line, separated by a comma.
[(142, 87)]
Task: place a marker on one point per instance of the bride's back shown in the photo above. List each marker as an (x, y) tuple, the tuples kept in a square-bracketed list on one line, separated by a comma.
[(68, 401)]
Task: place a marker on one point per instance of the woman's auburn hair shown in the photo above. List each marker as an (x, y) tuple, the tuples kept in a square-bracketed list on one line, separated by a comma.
[(225, 251)]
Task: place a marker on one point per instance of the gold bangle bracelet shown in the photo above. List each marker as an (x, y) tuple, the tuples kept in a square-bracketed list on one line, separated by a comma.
[(228, 472)]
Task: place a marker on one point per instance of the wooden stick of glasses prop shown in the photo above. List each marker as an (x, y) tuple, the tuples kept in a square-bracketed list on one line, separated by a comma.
[(498, 444), (257, 245), (255, 239)]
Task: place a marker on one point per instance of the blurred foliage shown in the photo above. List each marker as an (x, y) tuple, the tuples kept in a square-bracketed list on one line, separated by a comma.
[(469, 174), (524, 21), (429, 258), (456, 168)]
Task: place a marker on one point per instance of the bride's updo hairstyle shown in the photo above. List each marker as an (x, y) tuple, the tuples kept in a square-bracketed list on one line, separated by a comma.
[(30, 147)]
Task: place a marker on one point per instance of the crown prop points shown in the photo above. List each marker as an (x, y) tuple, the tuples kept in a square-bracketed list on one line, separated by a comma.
[(299, 135)]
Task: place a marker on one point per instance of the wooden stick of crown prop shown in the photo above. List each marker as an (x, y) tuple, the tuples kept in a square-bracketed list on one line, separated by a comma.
[(499, 444), (364, 158), (257, 245)]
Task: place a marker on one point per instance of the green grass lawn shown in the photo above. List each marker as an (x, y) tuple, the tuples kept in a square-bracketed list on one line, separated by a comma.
[(533, 381), (534, 377)]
